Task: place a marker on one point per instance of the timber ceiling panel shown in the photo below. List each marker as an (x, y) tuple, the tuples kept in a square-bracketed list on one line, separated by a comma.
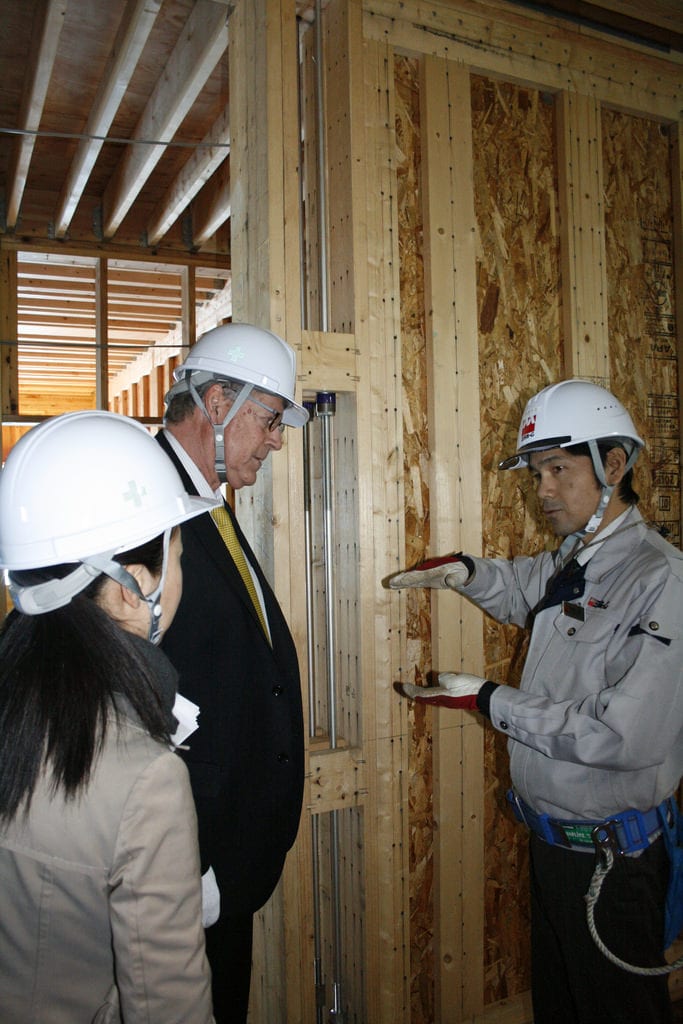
[(114, 120), (150, 78)]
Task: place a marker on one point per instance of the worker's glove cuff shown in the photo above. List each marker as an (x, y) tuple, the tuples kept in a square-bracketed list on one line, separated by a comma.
[(455, 690), (449, 572)]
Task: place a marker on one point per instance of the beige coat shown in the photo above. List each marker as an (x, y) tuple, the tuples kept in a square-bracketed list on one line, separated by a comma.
[(100, 898)]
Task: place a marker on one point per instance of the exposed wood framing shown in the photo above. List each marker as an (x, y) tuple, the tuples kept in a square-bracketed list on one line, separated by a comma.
[(455, 501), (266, 275), (211, 154), (583, 241), (414, 789), (644, 369), (47, 28), (213, 206), (9, 383), (376, 292), (101, 335), (525, 46), (189, 308), (136, 24), (204, 40), (519, 339)]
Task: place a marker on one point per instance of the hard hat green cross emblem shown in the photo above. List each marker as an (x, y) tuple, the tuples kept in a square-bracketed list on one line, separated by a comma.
[(134, 494)]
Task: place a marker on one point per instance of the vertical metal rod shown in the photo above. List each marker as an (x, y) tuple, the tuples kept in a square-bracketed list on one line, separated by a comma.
[(325, 409), (308, 548), (315, 843), (337, 1011), (322, 167), (318, 977), (326, 405)]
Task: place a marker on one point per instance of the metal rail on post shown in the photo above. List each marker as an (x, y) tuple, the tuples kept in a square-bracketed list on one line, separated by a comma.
[(310, 622), (326, 406)]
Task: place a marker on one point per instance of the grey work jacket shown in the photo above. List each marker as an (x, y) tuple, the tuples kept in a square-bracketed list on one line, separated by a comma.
[(597, 724)]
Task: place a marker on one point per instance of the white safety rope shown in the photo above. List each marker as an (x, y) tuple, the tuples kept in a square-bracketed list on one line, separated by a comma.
[(603, 867)]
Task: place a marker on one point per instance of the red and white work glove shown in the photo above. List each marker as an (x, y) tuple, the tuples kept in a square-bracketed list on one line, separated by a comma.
[(455, 690), (445, 573)]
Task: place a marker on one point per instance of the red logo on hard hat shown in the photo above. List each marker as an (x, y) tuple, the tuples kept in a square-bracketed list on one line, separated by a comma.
[(528, 428)]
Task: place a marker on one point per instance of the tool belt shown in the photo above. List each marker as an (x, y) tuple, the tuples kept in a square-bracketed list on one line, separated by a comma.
[(627, 832)]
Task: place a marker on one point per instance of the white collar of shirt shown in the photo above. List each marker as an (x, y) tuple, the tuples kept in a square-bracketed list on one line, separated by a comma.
[(587, 552), (204, 489)]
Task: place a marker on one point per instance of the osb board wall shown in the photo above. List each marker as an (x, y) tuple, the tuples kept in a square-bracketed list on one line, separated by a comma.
[(416, 470), (643, 356), (515, 189), (519, 351)]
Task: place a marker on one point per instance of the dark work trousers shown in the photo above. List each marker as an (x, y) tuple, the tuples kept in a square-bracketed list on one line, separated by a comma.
[(572, 981), (228, 947)]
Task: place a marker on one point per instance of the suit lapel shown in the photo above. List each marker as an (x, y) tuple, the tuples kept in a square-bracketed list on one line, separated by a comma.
[(204, 530)]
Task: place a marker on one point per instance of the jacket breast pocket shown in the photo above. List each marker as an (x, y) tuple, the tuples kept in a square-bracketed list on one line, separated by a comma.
[(586, 625)]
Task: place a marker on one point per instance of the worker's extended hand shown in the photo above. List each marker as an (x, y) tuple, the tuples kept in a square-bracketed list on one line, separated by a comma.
[(444, 573), (455, 690)]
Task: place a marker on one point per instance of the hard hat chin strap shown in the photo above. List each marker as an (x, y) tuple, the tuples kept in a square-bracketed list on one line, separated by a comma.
[(51, 594), (219, 428), (605, 494), (120, 574)]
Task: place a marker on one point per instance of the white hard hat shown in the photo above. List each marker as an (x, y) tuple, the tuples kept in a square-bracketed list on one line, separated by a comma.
[(251, 355), (85, 484), (572, 412)]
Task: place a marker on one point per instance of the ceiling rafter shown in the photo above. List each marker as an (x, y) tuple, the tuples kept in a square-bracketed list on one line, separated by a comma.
[(213, 206), (47, 28), (138, 18), (203, 41), (196, 172)]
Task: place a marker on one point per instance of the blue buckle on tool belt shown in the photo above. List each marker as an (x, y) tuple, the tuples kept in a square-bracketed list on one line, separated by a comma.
[(626, 832)]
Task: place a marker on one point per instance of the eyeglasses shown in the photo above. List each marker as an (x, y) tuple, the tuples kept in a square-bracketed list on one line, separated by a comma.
[(275, 421)]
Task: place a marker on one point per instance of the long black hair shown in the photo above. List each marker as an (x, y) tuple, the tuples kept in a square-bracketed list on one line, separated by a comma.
[(59, 672)]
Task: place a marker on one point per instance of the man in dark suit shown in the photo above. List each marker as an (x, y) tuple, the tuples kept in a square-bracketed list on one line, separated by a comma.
[(231, 645)]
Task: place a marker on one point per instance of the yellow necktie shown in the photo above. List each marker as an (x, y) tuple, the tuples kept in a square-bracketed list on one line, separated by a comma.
[(227, 531)]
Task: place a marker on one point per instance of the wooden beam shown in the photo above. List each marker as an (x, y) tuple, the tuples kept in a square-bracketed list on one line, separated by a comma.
[(455, 502), (528, 47), (193, 176), (189, 308), (9, 382), (618, 20), (582, 223), (101, 336), (213, 206), (47, 27), (136, 25), (203, 41)]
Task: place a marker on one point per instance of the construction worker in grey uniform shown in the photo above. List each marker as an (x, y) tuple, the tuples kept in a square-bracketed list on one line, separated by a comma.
[(594, 731)]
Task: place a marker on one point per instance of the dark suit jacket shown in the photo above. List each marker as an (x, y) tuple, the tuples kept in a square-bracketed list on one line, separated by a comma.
[(246, 758)]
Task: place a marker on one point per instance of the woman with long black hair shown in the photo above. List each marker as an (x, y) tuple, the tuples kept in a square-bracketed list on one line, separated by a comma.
[(100, 892)]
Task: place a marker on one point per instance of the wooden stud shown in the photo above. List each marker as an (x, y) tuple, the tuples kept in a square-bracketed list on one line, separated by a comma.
[(583, 245), (530, 48), (101, 335), (453, 400), (9, 383)]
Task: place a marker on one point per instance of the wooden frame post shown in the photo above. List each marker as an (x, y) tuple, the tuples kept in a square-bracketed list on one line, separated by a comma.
[(455, 502), (584, 264)]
